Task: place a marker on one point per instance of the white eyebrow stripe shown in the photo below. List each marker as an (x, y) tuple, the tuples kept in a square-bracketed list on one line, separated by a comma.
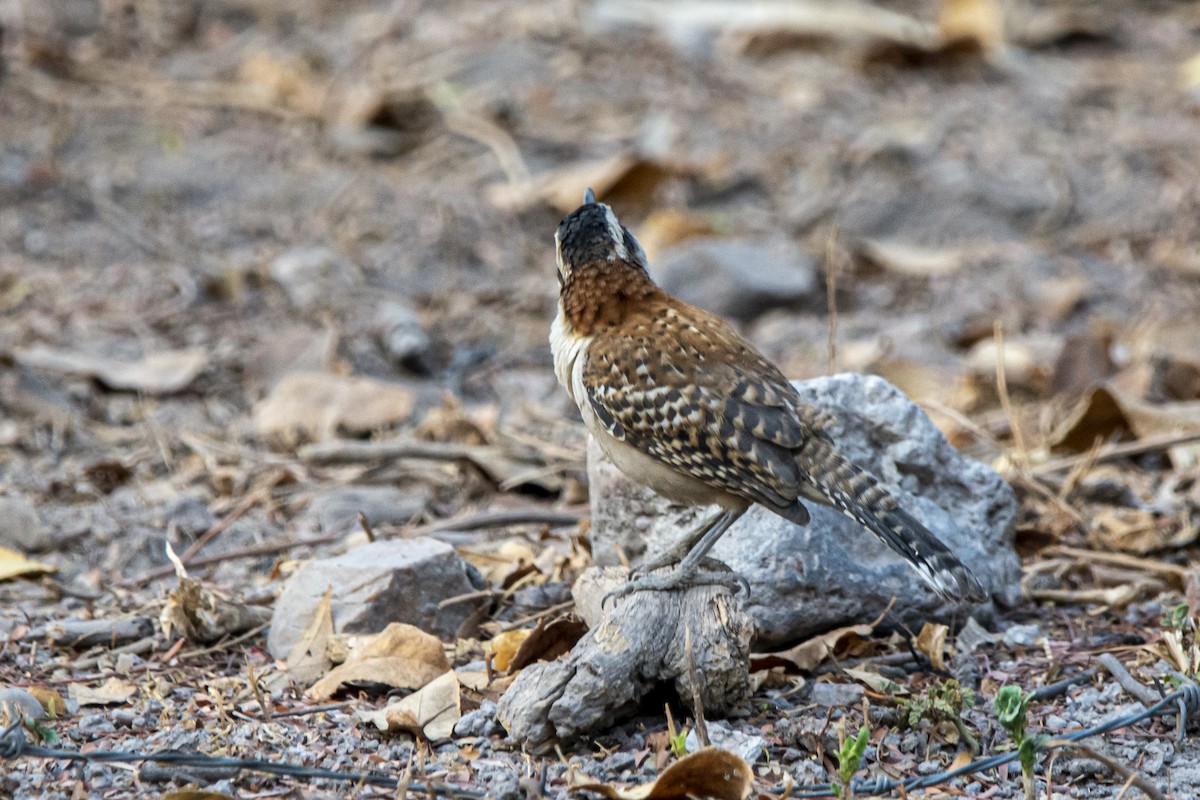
[(616, 233)]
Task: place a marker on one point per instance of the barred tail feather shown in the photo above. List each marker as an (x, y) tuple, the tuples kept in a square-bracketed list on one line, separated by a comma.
[(859, 495)]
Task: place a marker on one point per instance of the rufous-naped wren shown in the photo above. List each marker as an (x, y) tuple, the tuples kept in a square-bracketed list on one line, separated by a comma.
[(684, 405)]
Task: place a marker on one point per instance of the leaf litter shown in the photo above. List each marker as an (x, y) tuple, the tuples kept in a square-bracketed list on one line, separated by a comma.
[(158, 377)]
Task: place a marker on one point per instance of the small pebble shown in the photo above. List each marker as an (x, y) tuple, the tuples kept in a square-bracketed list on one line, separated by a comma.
[(123, 717), (96, 723), (619, 762), (1023, 635)]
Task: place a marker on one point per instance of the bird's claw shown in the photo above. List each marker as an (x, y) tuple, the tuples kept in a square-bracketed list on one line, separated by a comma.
[(679, 579)]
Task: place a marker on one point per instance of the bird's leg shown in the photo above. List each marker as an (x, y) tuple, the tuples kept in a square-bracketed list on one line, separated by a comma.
[(695, 548), (681, 549)]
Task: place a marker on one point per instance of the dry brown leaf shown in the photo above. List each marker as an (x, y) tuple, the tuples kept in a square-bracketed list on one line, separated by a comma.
[(1108, 412), (625, 179), (978, 24), (196, 794), (202, 615), (50, 699), (1139, 531), (913, 260), (548, 641), (665, 228), (318, 405), (876, 682), (431, 712), (807, 655), (932, 642), (1083, 362), (710, 772), (503, 647), (1028, 359), (502, 563), (282, 80), (16, 565), (961, 760), (475, 681), (309, 658), (114, 690), (164, 372), (401, 656)]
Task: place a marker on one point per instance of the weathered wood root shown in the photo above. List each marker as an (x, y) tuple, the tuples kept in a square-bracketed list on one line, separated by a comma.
[(630, 650)]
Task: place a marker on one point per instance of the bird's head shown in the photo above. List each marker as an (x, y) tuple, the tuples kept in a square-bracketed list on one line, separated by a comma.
[(592, 234)]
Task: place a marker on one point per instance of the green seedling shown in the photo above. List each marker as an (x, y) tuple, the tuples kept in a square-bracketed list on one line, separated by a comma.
[(1012, 705), (1176, 618), (942, 703), (679, 744), (849, 756)]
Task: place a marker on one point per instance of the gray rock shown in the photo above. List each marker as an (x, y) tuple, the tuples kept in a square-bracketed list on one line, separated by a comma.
[(338, 508), (479, 722), (739, 279), (403, 337), (750, 747), (1055, 722), (308, 275), (20, 527), (835, 694), (832, 572), (401, 580), (1023, 635)]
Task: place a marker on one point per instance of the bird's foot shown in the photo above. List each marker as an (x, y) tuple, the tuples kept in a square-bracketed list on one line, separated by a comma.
[(711, 573)]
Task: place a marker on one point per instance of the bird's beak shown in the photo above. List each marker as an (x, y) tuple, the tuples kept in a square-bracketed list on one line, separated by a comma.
[(589, 196)]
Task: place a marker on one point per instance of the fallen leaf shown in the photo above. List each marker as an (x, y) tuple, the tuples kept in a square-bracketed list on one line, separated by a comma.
[(432, 711), (284, 80), (932, 642), (112, 691), (318, 405), (196, 794), (747, 23), (16, 565), (974, 24), (667, 227), (401, 656), (625, 180), (202, 615), (50, 699), (1083, 362), (502, 563), (1140, 531), (1107, 412), (711, 772), (309, 657), (503, 647), (1028, 359), (876, 682), (548, 641), (1189, 72), (475, 681), (913, 260), (163, 372), (807, 655), (961, 760)]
